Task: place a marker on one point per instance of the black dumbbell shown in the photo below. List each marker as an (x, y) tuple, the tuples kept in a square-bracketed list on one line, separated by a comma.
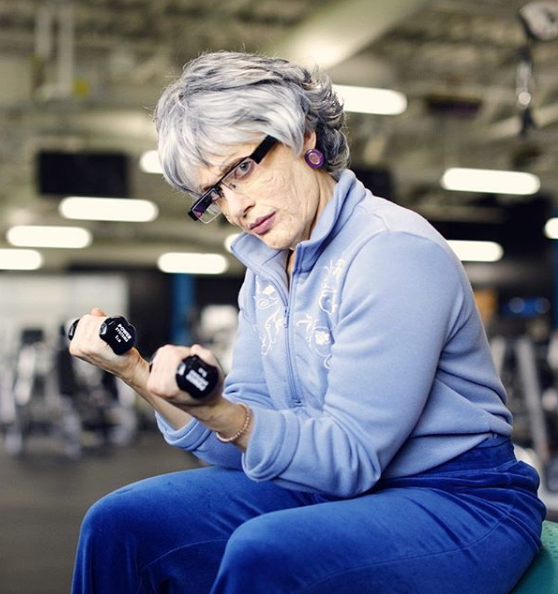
[(116, 331), (195, 376)]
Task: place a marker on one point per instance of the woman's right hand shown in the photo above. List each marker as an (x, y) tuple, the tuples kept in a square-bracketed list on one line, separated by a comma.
[(162, 379), (87, 345)]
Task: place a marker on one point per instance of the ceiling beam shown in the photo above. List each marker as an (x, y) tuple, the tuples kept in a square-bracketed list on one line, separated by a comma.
[(339, 31), (504, 129)]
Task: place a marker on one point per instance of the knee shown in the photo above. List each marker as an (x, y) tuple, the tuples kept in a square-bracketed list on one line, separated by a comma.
[(110, 516), (257, 546), (265, 554)]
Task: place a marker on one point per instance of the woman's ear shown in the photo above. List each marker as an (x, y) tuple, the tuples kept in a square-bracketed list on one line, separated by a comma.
[(309, 140)]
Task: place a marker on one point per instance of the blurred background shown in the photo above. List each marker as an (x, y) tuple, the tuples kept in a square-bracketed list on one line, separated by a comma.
[(452, 111)]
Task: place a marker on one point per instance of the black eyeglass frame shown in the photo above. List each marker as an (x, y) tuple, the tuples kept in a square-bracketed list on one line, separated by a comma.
[(205, 200)]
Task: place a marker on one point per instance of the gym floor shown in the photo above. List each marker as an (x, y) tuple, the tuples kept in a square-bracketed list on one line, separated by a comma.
[(43, 497)]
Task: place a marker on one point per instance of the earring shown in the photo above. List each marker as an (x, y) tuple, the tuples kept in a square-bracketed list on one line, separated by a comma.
[(314, 158)]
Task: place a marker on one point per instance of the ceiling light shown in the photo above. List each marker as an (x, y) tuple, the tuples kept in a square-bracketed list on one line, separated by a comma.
[(477, 251), (49, 237), (192, 263), (230, 239), (369, 100), (551, 228), (108, 209), (149, 162), (20, 259), (490, 181)]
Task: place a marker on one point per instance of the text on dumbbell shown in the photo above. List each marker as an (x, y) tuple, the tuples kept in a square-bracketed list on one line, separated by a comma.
[(124, 334), (195, 379)]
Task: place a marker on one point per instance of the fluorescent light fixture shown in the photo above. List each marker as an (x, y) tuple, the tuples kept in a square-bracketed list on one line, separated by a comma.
[(49, 237), (551, 228), (230, 239), (369, 100), (192, 263), (20, 260), (108, 209), (477, 251), (490, 181), (149, 162)]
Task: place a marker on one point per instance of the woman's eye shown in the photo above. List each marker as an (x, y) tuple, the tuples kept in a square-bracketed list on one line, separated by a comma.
[(244, 169)]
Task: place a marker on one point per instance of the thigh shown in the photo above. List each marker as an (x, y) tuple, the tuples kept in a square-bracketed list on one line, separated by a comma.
[(171, 529), (399, 540)]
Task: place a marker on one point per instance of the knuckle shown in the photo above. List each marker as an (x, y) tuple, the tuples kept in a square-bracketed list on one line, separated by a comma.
[(165, 351), (87, 350)]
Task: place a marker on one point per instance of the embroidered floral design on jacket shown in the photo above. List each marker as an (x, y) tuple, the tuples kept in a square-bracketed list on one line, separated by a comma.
[(268, 299), (318, 338), (328, 299)]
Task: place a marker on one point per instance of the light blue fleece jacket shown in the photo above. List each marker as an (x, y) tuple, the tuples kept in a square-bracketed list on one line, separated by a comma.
[(372, 362)]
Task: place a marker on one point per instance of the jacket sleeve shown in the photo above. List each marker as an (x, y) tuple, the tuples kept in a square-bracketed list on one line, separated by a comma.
[(401, 297), (244, 383)]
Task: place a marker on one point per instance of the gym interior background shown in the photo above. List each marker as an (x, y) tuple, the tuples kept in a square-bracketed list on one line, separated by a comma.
[(475, 86)]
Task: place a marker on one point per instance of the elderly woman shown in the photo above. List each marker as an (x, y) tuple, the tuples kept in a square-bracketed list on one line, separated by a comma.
[(361, 442)]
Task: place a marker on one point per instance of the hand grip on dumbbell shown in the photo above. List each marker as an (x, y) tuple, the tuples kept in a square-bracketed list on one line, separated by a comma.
[(195, 376), (116, 331)]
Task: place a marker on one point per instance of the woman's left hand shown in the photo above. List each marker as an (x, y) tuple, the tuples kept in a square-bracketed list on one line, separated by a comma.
[(162, 379)]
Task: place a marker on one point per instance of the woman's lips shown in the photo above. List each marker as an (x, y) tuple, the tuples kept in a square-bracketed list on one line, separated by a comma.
[(263, 225)]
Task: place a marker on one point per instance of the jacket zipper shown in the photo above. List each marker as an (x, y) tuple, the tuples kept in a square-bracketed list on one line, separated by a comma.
[(286, 296), (295, 399)]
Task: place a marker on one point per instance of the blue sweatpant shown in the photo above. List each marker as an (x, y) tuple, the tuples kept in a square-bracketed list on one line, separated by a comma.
[(469, 526)]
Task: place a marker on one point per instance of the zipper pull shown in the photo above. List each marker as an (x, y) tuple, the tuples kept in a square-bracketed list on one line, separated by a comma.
[(286, 318)]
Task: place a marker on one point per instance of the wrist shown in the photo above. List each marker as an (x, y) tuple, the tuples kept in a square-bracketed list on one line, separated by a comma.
[(135, 374), (226, 418), (242, 432), (217, 413)]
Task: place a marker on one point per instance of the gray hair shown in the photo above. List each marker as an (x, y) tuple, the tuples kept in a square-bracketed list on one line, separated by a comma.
[(226, 98)]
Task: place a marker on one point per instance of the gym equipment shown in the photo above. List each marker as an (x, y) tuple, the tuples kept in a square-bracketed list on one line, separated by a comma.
[(46, 391), (542, 575), (38, 406), (521, 366), (116, 331), (195, 376)]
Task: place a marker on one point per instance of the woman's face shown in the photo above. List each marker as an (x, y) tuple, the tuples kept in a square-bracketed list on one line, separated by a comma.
[(284, 198)]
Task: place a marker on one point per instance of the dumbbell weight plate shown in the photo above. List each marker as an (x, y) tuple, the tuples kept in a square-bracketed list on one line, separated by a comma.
[(196, 377), (116, 331), (72, 329)]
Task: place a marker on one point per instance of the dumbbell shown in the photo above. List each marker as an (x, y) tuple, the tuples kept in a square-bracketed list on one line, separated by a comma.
[(116, 331), (195, 376)]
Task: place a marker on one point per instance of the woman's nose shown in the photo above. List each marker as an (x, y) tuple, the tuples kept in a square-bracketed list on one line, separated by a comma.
[(236, 205)]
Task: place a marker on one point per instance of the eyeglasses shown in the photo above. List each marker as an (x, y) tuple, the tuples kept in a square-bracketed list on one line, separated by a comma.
[(239, 179)]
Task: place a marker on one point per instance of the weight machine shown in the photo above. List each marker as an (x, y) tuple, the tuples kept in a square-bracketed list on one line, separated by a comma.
[(44, 390), (530, 377)]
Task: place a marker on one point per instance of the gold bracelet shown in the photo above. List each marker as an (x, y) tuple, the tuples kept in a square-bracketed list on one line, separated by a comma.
[(242, 430)]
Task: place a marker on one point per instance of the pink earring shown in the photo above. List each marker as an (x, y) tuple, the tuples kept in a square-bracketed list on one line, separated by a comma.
[(314, 158)]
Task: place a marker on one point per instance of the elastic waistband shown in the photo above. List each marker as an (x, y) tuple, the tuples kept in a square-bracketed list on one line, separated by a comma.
[(490, 453)]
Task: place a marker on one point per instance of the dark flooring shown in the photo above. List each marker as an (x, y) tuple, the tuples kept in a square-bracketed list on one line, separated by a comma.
[(44, 495)]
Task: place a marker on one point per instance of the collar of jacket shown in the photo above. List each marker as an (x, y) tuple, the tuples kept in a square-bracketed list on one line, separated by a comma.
[(255, 255)]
